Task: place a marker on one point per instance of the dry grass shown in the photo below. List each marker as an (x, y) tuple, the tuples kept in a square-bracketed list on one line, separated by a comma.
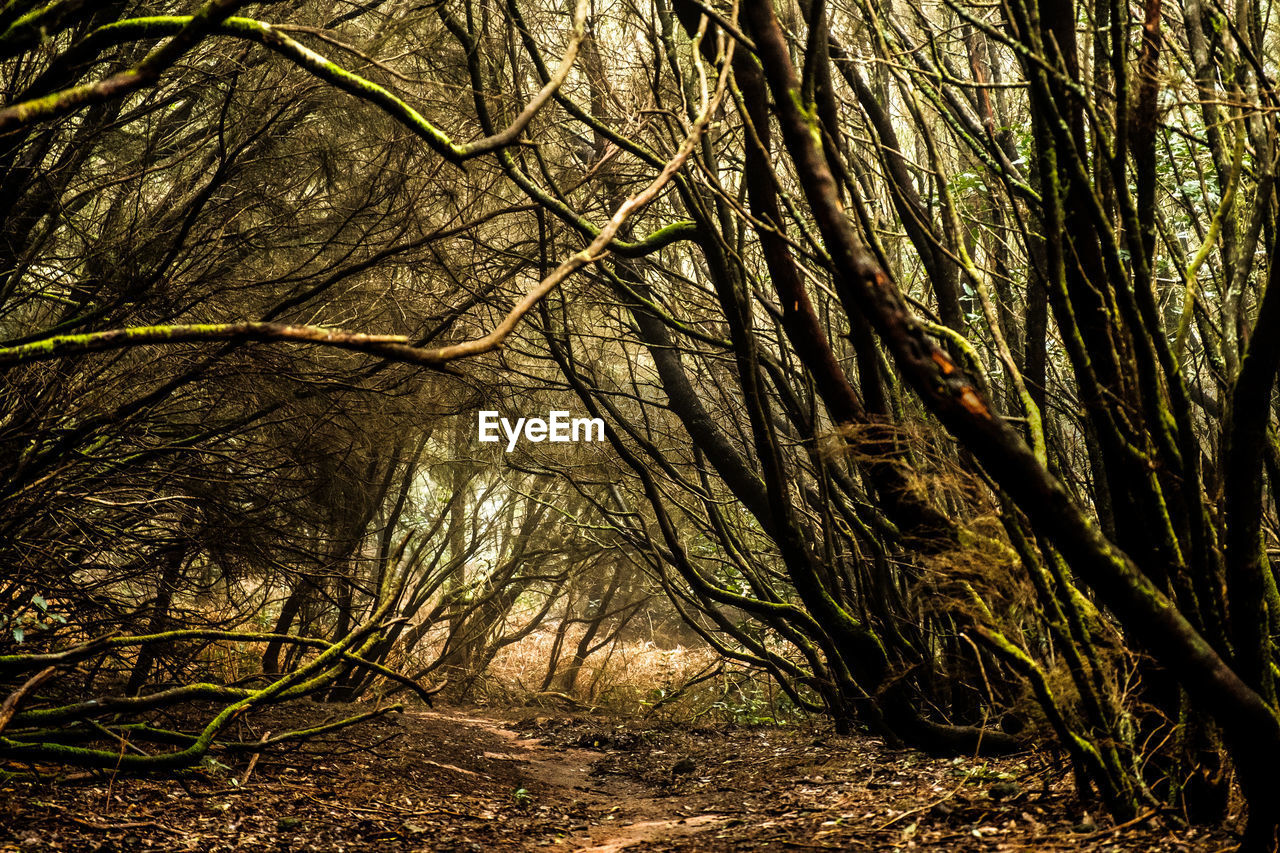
[(632, 677)]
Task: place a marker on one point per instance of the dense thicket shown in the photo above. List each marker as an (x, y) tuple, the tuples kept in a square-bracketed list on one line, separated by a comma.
[(936, 346)]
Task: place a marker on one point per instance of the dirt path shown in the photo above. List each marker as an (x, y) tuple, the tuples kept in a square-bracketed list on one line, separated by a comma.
[(468, 781), (629, 813)]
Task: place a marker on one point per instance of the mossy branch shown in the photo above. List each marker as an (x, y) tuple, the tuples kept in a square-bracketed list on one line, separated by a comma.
[(307, 679), (192, 28), (391, 347), (21, 663), (187, 35)]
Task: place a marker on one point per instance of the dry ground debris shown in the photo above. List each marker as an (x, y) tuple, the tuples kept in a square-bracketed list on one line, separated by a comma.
[(471, 780)]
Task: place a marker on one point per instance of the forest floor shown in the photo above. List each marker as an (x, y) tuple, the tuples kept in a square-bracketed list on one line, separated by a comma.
[(468, 781)]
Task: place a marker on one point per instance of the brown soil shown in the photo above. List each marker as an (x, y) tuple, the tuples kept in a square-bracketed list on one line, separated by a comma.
[(468, 780)]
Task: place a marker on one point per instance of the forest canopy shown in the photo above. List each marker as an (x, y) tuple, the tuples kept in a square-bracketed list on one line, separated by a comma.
[(935, 347)]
